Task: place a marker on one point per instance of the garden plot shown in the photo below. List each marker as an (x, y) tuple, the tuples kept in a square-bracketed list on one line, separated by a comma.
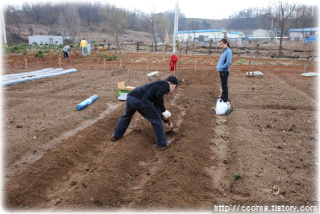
[(57, 158)]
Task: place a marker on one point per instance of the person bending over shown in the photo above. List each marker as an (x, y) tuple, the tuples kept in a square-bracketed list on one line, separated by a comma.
[(148, 101)]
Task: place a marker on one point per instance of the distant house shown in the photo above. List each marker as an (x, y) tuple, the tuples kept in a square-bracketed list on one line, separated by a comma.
[(236, 37), (261, 33), (299, 34), (45, 39), (202, 35)]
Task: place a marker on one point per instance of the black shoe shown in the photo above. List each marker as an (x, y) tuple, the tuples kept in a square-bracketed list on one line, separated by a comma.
[(113, 138), (229, 111), (164, 147)]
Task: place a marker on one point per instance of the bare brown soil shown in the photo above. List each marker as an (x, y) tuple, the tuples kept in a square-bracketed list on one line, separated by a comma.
[(57, 158)]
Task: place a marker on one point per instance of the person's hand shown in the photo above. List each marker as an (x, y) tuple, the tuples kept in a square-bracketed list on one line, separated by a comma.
[(170, 123)]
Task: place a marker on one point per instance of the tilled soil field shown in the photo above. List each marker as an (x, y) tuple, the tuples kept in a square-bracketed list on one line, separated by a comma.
[(59, 159)]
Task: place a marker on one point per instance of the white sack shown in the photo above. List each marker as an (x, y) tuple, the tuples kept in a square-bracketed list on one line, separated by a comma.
[(222, 107)]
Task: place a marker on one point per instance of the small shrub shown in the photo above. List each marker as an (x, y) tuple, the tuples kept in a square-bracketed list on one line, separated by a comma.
[(109, 58), (39, 54), (11, 50), (241, 61), (25, 52)]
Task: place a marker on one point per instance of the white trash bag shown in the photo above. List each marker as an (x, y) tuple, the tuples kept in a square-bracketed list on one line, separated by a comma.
[(222, 107)]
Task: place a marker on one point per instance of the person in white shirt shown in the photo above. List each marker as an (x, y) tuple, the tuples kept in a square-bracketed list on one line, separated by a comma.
[(65, 51)]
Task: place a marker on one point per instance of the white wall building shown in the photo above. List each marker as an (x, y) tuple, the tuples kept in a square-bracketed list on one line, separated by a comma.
[(43, 39), (299, 34), (261, 33), (236, 37), (202, 35)]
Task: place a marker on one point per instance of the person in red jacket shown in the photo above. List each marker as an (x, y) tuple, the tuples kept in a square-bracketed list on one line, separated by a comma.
[(148, 101), (173, 62)]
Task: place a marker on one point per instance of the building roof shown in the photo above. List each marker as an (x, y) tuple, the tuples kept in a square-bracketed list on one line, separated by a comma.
[(201, 31), (44, 36), (236, 32), (303, 29)]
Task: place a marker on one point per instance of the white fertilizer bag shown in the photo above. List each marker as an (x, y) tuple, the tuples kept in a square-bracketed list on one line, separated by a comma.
[(222, 107)]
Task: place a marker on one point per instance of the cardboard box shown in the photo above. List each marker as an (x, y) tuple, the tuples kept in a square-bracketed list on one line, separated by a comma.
[(123, 90)]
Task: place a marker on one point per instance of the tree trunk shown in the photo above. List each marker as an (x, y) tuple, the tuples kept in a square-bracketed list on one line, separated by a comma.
[(121, 54), (281, 39)]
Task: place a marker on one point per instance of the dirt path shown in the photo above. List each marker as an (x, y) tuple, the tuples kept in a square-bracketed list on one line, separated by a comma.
[(61, 159), (275, 155)]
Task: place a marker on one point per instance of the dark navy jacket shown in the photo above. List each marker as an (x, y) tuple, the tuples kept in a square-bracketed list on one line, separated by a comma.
[(152, 92)]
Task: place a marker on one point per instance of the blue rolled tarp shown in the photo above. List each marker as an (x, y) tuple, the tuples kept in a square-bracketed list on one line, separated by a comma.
[(87, 102)]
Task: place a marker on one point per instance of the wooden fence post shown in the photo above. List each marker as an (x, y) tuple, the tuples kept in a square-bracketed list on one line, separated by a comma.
[(187, 46), (209, 49)]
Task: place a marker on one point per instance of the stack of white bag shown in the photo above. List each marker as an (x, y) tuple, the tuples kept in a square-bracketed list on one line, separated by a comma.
[(222, 107)]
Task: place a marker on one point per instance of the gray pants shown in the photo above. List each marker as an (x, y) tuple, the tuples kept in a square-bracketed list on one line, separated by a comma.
[(84, 51)]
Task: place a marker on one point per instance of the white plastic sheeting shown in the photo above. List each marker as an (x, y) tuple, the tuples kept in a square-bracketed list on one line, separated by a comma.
[(12, 79), (254, 73), (310, 74)]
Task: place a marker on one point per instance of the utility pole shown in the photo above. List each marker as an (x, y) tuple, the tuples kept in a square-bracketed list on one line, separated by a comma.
[(175, 34), (4, 28)]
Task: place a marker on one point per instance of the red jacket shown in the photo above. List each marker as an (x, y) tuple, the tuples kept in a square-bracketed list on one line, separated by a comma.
[(173, 62)]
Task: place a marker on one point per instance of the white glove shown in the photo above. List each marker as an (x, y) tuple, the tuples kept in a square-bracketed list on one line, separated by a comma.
[(166, 114)]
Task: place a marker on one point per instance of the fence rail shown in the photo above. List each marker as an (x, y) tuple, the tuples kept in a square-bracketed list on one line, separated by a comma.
[(289, 50)]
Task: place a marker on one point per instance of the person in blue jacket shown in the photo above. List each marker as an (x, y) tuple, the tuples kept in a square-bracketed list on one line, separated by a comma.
[(223, 67), (148, 101)]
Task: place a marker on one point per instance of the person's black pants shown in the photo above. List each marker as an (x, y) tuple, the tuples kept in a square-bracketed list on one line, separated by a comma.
[(65, 54), (224, 84), (148, 111)]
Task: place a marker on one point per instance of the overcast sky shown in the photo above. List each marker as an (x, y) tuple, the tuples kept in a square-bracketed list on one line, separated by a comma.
[(209, 9)]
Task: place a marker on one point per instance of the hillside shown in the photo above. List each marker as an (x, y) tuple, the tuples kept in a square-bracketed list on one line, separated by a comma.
[(214, 23), (15, 35)]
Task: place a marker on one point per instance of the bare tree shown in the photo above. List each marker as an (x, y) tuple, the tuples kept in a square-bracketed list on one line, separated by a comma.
[(162, 23), (156, 24), (69, 21), (284, 11), (115, 21), (36, 12), (14, 18), (30, 30), (51, 16), (150, 19)]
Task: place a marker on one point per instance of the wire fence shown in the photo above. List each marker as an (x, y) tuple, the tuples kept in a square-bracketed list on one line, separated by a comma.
[(290, 49)]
